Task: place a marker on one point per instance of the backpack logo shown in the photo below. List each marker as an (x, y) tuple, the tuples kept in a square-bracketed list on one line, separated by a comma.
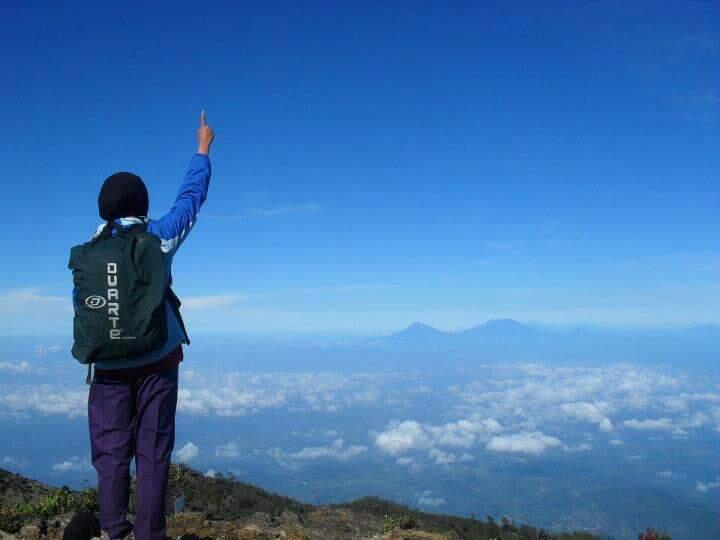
[(95, 301), (113, 304)]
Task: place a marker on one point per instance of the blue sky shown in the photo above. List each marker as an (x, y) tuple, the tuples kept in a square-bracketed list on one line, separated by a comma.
[(376, 163)]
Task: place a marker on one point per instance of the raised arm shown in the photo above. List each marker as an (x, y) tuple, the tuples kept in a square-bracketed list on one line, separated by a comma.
[(173, 227), (205, 136)]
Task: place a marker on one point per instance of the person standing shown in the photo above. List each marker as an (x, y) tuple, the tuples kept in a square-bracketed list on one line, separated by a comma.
[(128, 324)]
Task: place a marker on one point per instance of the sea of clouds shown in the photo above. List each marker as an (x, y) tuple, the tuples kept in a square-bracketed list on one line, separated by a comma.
[(525, 410)]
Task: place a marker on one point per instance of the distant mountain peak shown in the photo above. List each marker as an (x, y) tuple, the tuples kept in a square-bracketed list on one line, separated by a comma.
[(500, 325), (706, 326), (507, 323), (418, 326), (418, 331), (708, 331)]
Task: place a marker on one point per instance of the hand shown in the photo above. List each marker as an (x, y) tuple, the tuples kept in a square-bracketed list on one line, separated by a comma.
[(205, 136)]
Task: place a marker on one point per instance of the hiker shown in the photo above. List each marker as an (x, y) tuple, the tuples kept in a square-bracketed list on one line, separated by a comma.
[(127, 323)]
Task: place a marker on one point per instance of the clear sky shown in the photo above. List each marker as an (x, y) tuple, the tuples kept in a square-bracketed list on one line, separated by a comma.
[(376, 162)]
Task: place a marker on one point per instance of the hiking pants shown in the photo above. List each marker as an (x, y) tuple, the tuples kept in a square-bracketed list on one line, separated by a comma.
[(133, 417)]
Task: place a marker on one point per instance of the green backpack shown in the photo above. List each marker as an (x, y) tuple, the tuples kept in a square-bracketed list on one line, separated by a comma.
[(119, 294)]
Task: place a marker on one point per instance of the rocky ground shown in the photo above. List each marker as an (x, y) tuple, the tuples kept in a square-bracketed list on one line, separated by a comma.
[(223, 508), (323, 523)]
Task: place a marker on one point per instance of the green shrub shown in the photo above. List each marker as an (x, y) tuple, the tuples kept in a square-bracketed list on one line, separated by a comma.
[(179, 475), (59, 501), (10, 520), (88, 500), (397, 521)]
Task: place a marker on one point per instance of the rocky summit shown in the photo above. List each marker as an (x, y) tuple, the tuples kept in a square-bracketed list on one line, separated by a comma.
[(224, 508)]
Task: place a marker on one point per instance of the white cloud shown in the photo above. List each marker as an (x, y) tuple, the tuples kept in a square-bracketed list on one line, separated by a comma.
[(533, 443), (230, 449), (510, 399), (282, 458), (463, 433), (336, 450), (10, 462), (187, 453), (401, 437), (676, 404), (678, 428), (43, 399), (533, 397), (211, 302), (42, 351), (31, 300), (441, 458), (447, 458), (529, 399), (426, 498), (229, 400), (74, 464), (30, 311), (589, 412), (704, 487), (240, 394), (226, 394), (583, 447), (211, 473), (20, 367), (540, 393), (651, 424), (697, 420)]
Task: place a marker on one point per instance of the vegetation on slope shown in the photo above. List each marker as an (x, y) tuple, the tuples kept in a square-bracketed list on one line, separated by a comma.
[(220, 506)]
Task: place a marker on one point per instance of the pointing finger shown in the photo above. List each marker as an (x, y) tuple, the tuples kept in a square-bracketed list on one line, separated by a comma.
[(202, 118)]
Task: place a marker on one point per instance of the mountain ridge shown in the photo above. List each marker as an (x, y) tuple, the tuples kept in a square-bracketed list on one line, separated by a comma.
[(507, 340), (505, 323)]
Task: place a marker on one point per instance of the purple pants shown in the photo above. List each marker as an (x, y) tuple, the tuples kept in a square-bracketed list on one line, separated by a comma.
[(133, 417)]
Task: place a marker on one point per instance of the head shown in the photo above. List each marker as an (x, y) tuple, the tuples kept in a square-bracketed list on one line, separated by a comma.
[(123, 194)]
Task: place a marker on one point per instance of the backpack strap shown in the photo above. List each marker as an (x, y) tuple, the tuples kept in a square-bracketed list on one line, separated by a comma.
[(134, 229), (106, 232), (111, 225)]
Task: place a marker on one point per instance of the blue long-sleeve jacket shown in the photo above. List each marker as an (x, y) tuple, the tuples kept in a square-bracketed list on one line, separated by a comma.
[(172, 229)]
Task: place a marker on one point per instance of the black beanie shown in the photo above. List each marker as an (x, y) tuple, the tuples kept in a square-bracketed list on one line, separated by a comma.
[(123, 194)]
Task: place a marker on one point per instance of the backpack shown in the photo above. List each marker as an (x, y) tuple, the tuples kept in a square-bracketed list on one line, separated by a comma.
[(119, 295)]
